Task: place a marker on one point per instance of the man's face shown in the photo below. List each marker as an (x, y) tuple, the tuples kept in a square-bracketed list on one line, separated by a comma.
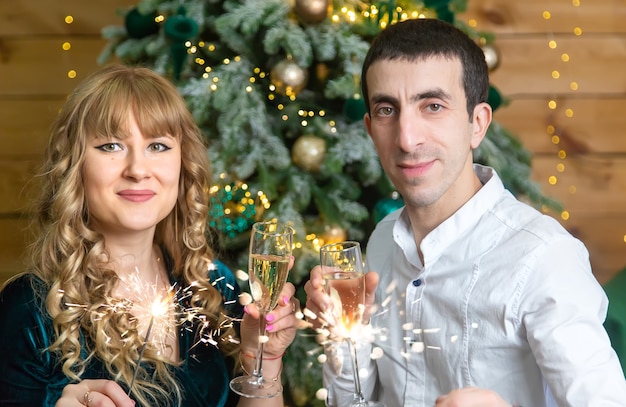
[(421, 129)]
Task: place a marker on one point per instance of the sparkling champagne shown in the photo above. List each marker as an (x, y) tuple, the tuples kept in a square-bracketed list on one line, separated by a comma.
[(346, 290), (268, 274)]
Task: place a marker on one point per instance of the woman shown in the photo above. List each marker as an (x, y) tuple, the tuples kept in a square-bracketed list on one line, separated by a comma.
[(122, 220)]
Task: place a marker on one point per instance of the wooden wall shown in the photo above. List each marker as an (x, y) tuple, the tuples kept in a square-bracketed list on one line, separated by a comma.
[(590, 121), (34, 81)]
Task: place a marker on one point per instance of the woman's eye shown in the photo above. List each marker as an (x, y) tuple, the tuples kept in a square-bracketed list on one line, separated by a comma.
[(110, 147), (158, 147)]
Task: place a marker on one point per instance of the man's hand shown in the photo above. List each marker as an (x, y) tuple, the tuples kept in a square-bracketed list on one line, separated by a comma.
[(318, 303), (471, 397)]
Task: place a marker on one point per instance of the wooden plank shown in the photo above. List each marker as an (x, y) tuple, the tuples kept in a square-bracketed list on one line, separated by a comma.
[(597, 69), (588, 186), (603, 236), (25, 124), (599, 182), (596, 64), (506, 16), (17, 184), (597, 125), (45, 17), (39, 66), (35, 17), (14, 236)]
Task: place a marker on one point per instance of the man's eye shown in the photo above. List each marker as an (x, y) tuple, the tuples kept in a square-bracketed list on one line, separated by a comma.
[(109, 147), (385, 111), (435, 107)]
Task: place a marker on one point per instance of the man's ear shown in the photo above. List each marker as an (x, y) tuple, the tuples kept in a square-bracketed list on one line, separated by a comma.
[(368, 123), (480, 123)]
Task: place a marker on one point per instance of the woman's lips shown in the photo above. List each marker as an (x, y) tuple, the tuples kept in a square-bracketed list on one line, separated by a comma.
[(136, 195)]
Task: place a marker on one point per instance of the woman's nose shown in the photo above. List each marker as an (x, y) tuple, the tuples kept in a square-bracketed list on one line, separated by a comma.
[(137, 165)]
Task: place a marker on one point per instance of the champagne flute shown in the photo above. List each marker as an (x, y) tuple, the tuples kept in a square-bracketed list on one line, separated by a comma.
[(344, 281), (268, 267)]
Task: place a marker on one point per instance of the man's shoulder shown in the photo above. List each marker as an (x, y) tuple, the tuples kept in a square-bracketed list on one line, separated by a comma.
[(520, 217), (386, 224)]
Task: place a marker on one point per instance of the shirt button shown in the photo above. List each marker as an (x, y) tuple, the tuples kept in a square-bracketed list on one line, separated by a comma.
[(417, 282)]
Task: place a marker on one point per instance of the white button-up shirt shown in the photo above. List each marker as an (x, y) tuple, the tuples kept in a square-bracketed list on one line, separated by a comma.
[(505, 300)]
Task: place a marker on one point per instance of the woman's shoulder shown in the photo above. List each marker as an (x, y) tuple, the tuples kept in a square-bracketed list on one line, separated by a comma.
[(22, 291), (22, 312)]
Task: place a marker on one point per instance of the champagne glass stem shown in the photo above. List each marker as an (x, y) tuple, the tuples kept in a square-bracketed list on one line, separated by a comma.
[(358, 399), (258, 363)]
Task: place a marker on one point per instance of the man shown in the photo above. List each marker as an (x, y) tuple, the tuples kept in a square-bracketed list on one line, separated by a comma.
[(482, 300)]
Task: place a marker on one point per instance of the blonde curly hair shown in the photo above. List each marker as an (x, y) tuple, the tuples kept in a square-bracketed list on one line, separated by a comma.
[(68, 254)]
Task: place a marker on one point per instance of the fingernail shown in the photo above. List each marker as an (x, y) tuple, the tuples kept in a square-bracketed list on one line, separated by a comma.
[(269, 327), (269, 318), (285, 300), (245, 309)]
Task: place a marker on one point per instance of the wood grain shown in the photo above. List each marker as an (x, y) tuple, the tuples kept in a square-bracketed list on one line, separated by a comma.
[(592, 187), (44, 17), (519, 17), (598, 125)]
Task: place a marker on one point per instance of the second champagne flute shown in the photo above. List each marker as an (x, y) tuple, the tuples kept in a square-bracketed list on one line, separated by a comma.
[(268, 267), (344, 281)]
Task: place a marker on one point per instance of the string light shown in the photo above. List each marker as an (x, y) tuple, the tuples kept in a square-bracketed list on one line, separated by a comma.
[(568, 112), (67, 46)]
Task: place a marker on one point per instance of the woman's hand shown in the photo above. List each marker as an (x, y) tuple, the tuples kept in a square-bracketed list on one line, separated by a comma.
[(281, 325), (94, 393), (471, 397)]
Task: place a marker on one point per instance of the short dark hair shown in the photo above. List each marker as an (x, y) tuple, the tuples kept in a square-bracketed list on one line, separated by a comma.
[(425, 37)]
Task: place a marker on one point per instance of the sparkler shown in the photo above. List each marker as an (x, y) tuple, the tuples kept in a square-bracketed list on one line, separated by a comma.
[(160, 306)]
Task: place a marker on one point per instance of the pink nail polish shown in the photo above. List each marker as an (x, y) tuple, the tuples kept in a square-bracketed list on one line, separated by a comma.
[(245, 309), (269, 327), (285, 299), (269, 318)]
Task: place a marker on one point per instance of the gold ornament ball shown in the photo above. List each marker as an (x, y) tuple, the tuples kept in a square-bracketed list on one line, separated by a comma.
[(334, 234), (492, 56), (312, 11), (288, 77), (322, 71), (308, 152)]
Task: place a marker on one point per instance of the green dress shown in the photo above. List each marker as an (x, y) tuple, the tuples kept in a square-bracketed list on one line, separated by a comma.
[(31, 376)]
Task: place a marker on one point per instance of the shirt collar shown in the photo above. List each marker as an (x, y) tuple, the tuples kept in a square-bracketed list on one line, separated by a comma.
[(439, 239)]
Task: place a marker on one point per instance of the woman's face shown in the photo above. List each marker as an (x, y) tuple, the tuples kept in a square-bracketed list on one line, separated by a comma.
[(131, 180)]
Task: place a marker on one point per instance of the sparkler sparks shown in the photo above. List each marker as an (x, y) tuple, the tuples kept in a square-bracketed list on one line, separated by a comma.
[(415, 340), (159, 309)]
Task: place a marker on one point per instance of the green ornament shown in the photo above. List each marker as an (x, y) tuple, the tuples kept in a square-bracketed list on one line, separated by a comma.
[(354, 109), (388, 9), (179, 29), (140, 25), (442, 8), (437, 3), (231, 211), (494, 99), (387, 205)]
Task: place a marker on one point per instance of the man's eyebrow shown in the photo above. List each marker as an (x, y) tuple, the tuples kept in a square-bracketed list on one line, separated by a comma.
[(436, 93), (380, 98)]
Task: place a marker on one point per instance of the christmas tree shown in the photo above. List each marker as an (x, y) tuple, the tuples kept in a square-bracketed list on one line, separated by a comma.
[(275, 87)]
